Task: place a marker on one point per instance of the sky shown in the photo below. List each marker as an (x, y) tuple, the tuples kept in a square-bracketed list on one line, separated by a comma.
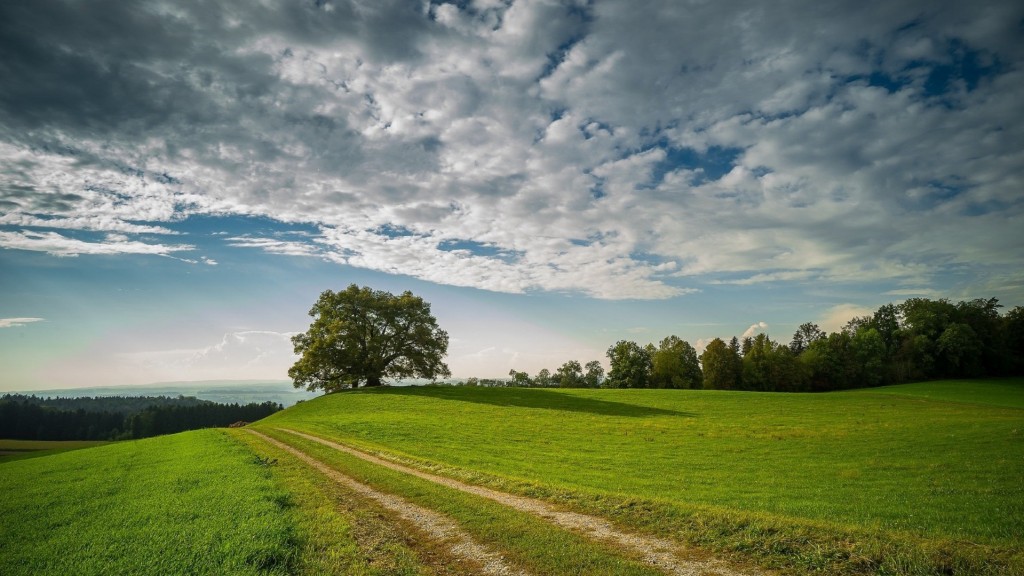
[(180, 180)]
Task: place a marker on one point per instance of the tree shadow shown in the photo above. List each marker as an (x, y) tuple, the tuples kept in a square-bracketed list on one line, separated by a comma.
[(531, 398)]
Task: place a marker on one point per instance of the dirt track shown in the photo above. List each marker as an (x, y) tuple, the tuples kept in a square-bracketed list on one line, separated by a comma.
[(660, 553), (459, 543)]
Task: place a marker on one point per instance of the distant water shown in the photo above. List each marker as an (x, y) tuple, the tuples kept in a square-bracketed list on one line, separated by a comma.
[(222, 391)]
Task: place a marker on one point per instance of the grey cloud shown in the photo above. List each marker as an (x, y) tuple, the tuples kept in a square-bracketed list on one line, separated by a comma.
[(83, 72), (855, 135)]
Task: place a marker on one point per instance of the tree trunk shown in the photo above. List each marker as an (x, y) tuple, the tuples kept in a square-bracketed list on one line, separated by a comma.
[(372, 381)]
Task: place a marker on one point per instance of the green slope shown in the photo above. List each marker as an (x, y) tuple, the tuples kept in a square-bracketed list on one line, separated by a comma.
[(914, 479), (24, 449), (1004, 392), (923, 462), (192, 503)]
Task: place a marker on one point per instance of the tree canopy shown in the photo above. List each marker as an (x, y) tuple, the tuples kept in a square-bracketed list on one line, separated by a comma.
[(918, 339), (630, 365), (674, 365), (361, 336)]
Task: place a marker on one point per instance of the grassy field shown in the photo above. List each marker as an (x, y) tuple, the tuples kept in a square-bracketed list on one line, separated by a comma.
[(524, 541), (1006, 393), (22, 449), (193, 503), (903, 480), (335, 531), (934, 468)]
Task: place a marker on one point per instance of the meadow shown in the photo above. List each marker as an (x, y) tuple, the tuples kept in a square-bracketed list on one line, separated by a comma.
[(901, 480), (916, 475), (23, 449), (193, 503)]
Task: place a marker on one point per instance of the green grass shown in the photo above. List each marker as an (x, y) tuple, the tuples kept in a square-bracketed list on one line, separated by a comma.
[(22, 449), (905, 480), (336, 531), (935, 468), (1006, 393), (192, 503), (523, 540)]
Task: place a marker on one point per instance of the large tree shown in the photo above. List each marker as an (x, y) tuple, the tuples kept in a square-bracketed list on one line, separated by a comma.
[(363, 336)]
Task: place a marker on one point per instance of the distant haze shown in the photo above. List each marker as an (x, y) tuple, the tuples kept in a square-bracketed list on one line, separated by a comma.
[(222, 391)]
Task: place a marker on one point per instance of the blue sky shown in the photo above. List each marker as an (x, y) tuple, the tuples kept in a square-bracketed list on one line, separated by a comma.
[(179, 181)]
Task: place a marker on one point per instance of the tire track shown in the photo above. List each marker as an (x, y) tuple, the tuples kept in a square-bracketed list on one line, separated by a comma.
[(658, 552), (460, 543)]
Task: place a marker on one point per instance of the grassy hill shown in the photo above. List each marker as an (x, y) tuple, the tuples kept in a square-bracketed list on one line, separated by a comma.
[(24, 449), (915, 479), (189, 503), (935, 467), (900, 458)]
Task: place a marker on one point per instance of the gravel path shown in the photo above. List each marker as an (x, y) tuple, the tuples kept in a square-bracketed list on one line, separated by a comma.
[(661, 553), (459, 543)]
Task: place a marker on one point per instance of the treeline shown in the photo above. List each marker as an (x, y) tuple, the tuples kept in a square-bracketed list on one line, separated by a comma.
[(117, 418), (118, 404), (920, 339)]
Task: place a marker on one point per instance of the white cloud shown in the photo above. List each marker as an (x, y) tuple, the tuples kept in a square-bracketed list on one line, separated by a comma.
[(99, 223), (18, 322), (59, 245), (755, 328), (769, 277), (916, 292), (836, 317), (251, 354), (552, 136), (274, 246)]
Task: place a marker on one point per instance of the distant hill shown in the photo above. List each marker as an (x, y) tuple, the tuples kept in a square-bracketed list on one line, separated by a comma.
[(220, 391)]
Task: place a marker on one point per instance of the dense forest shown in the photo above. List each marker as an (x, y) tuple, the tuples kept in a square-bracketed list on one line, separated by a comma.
[(117, 418), (920, 339)]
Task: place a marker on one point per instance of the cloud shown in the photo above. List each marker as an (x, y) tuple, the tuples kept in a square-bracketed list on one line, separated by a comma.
[(598, 149), (18, 322), (247, 350), (916, 292), (59, 245), (93, 223), (250, 354), (275, 246), (755, 328), (836, 317), (769, 277)]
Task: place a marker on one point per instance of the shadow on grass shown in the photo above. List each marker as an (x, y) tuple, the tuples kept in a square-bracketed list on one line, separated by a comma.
[(530, 398)]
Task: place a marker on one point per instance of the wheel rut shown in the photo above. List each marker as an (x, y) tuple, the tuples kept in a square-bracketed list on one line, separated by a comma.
[(459, 543), (658, 552)]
